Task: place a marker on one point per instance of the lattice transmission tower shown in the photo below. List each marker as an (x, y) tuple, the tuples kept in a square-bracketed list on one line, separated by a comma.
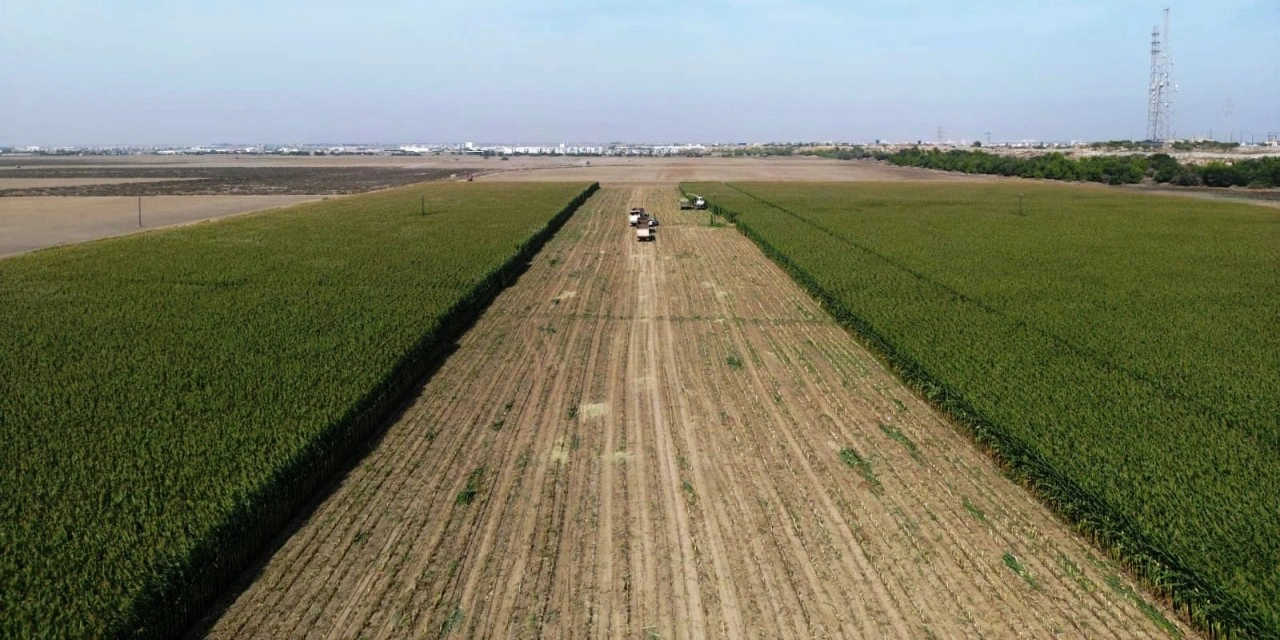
[(1160, 92)]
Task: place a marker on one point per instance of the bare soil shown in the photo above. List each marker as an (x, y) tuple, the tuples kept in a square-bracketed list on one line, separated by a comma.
[(137, 180), (667, 171), (51, 201), (671, 440), (8, 184), (31, 223), (1264, 197)]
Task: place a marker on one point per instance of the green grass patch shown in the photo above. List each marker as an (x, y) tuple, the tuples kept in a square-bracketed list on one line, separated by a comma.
[(1073, 571), (1141, 603), (897, 436), (475, 484), (974, 510), (1015, 566), (855, 461), (453, 622)]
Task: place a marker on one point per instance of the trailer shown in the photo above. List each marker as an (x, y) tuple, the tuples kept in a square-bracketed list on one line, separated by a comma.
[(646, 228), (685, 204)]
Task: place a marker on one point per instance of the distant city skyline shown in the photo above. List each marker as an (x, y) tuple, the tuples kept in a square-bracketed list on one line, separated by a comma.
[(115, 73)]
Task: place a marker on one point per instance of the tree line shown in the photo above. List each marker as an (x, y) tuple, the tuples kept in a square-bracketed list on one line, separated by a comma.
[(1119, 169)]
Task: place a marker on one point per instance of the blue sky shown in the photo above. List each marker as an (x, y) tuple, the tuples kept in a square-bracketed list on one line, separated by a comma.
[(170, 72)]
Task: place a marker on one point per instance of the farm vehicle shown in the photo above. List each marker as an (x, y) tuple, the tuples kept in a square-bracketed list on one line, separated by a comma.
[(646, 225)]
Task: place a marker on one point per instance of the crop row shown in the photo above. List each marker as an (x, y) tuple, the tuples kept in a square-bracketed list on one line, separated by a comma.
[(171, 399), (1111, 348)]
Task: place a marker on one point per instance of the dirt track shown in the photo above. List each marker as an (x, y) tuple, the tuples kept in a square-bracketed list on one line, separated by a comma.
[(662, 440)]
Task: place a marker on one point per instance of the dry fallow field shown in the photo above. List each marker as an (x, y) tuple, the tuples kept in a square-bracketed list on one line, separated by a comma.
[(30, 223)]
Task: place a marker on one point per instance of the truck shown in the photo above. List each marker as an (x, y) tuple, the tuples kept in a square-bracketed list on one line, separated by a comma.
[(633, 216), (646, 228)]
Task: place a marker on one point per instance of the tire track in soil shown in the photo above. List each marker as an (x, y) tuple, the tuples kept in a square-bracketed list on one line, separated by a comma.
[(689, 618), (659, 427), (811, 557), (711, 528), (790, 593)]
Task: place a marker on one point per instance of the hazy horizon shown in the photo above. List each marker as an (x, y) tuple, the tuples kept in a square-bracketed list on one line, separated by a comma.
[(98, 73)]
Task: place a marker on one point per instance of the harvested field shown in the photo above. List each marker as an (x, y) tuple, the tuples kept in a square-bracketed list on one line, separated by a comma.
[(672, 440), (208, 181), (27, 224), (7, 184), (665, 171), (21, 162), (1265, 197)]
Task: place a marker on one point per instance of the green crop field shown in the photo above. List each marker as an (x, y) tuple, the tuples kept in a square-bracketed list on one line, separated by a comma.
[(168, 400), (1119, 351)]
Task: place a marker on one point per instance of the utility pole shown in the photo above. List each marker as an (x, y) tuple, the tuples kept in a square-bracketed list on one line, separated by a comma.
[(139, 212), (1228, 109), (424, 204)]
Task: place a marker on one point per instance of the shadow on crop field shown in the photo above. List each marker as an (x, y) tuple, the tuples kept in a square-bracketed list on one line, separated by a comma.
[(202, 627), (455, 325)]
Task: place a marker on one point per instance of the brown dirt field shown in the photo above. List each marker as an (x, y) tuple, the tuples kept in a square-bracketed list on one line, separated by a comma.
[(28, 163), (1263, 197), (27, 224), (668, 171), (38, 183), (645, 440), (217, 181)]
